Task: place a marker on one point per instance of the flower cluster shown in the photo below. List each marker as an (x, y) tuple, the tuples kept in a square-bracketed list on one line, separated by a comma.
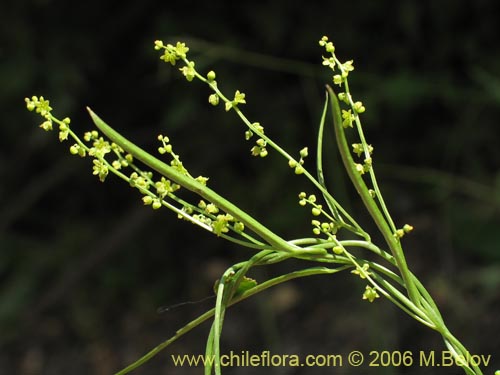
[(210, 214), (42, 106), (260, 144), (350, 116), (107, 157), (298, 165), (172, 54), (329, 227), (407, 228)]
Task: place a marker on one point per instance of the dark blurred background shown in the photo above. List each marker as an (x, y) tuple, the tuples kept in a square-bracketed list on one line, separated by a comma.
[(84, 265)]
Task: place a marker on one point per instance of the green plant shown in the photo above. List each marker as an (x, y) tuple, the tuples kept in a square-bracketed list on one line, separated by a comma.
[(161, 186)]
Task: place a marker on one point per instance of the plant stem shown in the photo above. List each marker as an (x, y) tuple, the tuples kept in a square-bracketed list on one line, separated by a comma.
[(246, 294), (393, 243)]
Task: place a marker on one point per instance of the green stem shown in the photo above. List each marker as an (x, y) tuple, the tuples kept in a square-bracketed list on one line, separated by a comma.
[(354, 226), (246, 294), (370, 204)]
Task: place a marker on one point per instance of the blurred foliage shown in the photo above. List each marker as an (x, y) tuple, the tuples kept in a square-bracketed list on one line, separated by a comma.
[(83, 266)]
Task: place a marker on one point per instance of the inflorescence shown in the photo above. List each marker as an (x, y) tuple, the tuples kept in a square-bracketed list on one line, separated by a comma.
[(109, 157), (161, 192)]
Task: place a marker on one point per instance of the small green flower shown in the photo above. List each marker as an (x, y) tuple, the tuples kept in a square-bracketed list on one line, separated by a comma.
[(360, 168), (348, 118), (337, 79), (211, 209), (399, 233), (343, 97), (260, 148), (338, 250), (202, 180), (181, 50), (258, 127), (220, 225), (168, 149), (159, 45), (329, 61), (211, 76), (74, 149), (347, 66), (316, 224), (147, 200), (63, 131), (239, 98), (164, 187), (40, 105), (316, 211), (302, 198), (239, 227), (177, 164), (367, 165), (100, 148), (299, 169), (138, 181), (358, 107), (362, 271), (30, 103), (90, 136), (407, 228), (261, 142), (329, 227), (100, 169), (259, 151), (304, 152), (357, 148), (116, 164), (213, 99), (163, 138), (169, 56), (188, 71), (47, 125), (370, 294), (155, 203)]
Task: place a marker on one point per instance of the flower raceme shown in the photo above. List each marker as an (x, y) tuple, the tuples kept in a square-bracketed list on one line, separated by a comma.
[(109, 157)]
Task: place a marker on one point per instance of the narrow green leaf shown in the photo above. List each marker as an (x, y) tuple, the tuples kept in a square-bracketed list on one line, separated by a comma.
[(191, 184), (319, 164)]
